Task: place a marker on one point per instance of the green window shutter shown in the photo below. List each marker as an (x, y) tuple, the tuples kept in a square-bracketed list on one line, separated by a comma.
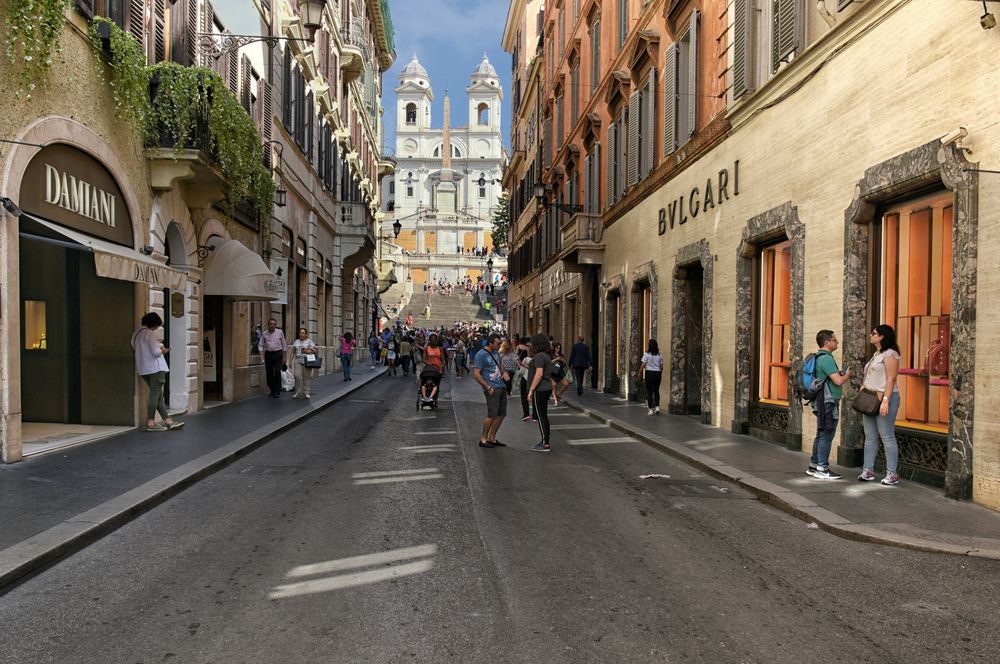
[(670, 76), (742, 62)]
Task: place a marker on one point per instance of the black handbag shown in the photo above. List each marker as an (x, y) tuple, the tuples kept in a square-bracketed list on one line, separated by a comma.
[(867, 402)]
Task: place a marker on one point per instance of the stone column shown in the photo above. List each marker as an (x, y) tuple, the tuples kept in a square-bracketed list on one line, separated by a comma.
[(10, 341)]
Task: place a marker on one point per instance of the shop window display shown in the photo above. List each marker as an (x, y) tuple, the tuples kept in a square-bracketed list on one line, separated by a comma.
[(34, 325), (775, 309), (916, 241)]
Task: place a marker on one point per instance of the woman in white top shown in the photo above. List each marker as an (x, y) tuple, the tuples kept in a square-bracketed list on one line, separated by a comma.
[(152, 368), (651, 371), (303, 375), (880, 377)]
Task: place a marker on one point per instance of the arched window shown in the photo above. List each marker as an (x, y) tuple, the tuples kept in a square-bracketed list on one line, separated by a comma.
[(437, 152), (411, 114), (482, 188), (483, 112)]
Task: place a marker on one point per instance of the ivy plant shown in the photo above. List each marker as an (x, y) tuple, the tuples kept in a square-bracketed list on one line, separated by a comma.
[(129, 73), (31, 38), (193, 108)]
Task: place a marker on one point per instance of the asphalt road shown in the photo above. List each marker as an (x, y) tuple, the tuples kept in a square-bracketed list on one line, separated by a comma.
[(371, 533)]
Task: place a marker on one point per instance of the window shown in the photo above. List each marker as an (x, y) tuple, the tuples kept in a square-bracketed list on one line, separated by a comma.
[(622, 22), (769, 33), (559, 120), (34, 325), (595, 56), (775, 312), (616, 157), (562, 33), (411, 114), (680, 89), (915, 298), (483, 112), (574, 76)]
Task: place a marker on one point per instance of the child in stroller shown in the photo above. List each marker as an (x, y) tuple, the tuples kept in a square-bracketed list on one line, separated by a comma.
[(430, 384)]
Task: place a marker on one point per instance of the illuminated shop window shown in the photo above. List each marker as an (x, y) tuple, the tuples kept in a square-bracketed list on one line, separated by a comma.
[(916, 300), (775, 323), (34, 325)]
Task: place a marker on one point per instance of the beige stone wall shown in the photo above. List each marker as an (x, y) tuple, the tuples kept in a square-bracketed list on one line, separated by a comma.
[(916, 71)]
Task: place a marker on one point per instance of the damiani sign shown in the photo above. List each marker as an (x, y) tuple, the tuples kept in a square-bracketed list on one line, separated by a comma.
[(716, 192)]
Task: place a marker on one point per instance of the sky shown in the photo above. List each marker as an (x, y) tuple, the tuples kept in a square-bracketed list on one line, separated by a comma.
[(448, 36)]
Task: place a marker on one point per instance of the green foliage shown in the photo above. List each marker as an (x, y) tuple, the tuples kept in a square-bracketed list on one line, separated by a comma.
[(193, 108), (501, 222), (129, 74), (31, 38)]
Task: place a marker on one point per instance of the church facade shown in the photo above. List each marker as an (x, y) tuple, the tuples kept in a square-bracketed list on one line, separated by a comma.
[(447, 180)]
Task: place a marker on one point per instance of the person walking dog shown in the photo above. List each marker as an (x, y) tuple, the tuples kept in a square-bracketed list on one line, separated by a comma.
[(152, 368)]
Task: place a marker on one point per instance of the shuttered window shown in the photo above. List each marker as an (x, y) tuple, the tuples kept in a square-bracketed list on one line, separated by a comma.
[(574, 78), (265, 101), (559, 121), (680, 89), (245, 76), (692, 77), (622, 22), (548, 142), (286, 91), (742, 49), (612, 171), (634, 136), (159, 41), (595, 56), (648, 126), (787, 31), (562, 33), (670, 72)]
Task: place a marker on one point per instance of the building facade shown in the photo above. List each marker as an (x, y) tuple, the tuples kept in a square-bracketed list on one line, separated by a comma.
[(798, 180), (107, 216), (447, 180)]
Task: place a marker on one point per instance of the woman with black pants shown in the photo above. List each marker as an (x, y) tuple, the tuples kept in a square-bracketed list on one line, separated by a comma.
[(651, 371), (539, 370)]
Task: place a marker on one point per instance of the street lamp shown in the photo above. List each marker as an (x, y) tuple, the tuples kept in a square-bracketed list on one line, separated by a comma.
[(312, 15), (396, 227), (542, 191)]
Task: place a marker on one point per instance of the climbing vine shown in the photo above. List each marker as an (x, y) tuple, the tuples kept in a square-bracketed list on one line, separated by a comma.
[(31, 39), (193, 108), (129, 73)]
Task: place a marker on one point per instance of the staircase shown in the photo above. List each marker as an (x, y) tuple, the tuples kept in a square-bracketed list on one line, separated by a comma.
[(445, 309)]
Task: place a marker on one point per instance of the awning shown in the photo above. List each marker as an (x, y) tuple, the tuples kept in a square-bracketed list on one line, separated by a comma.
[(237, 272), (114, 261), (382, 309)]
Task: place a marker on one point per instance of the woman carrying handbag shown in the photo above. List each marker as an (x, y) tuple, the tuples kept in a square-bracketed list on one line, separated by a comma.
[(881, 375)]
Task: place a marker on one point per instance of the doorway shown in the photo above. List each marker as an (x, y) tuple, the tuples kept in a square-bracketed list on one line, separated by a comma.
[(694, 337), (212, 349)]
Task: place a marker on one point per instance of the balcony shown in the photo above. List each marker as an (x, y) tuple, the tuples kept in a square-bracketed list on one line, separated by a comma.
[(354, 55), (582, 242), (355, 227)]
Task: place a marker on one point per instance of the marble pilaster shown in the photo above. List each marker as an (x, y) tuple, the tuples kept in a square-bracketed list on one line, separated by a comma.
[(697, 253)]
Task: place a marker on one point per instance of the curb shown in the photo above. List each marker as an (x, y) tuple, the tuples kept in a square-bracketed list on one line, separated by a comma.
[(47, 547), (784, 499)]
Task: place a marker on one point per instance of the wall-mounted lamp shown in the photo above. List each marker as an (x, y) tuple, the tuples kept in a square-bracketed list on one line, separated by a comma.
[(203, 253), (396, 227), (147, 250), (987, 20), (280, 197), (542, 191), (955, 136), (11, 207)]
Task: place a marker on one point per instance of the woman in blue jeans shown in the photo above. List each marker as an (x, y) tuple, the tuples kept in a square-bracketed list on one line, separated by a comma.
[(881, 373)]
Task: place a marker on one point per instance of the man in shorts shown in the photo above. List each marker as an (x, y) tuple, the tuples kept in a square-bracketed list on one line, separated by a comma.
[(487, 372)]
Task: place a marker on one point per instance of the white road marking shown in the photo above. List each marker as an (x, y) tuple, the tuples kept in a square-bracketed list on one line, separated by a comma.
[(564, 427), (434, 433), (551, 415), (631, 405), (390, 473), (417, 448), (350, 580), (392, 480), (367, 560), (600, 441)]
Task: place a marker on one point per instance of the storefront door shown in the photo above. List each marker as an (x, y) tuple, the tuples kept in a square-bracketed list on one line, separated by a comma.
[(212, 349)]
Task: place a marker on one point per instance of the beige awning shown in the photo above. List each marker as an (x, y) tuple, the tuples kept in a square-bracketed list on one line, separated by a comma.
[(237, 272), (114, 261)]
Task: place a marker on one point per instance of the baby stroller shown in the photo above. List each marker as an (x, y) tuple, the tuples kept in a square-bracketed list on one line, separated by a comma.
[(430, 378)]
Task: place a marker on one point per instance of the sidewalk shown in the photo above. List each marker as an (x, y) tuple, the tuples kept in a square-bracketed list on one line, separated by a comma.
[(55, 504), (910, 515)]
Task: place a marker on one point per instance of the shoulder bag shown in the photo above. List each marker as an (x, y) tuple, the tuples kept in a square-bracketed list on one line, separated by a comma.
[(867, 402)]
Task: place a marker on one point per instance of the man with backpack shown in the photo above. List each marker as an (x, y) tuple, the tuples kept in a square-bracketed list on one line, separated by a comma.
[(822, 380)]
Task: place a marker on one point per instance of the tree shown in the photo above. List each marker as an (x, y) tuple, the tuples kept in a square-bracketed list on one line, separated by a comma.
[(500, 217)]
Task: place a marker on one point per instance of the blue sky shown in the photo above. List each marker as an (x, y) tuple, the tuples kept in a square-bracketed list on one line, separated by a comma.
[(449, 37)]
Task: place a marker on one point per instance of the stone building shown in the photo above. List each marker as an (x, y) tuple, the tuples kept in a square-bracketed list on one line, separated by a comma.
[(800, 178), (447, 180), (163, 237)]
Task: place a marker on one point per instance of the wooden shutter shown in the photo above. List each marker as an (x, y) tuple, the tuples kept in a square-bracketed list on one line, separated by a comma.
[(633, 139), (233, 73), (742, 62), (612, 163), (310, 117), (264, 99), (595, 56), (548, 142), (692, 91), (670, 76), (775, 29), (595, 163), (191, 34), (587, 181), (286, 90), (159, 30), (649, 126), (135, 22), (245, 80), (790, 27), (207, 27), (86, 7)]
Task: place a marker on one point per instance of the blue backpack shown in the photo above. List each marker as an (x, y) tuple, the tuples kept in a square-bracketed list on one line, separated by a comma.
[(804, 381)]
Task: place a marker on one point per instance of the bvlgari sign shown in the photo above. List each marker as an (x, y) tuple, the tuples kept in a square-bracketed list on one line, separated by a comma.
[(700, 199), (73, 189)]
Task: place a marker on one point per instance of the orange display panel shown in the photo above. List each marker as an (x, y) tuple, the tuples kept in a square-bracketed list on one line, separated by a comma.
[(916, 275), (775, 322)]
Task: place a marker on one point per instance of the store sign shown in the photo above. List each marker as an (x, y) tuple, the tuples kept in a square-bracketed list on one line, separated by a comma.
[(278, 285), (71, 188), (717, 190)]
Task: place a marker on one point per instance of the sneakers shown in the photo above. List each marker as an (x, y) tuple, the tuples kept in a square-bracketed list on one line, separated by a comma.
[(541, 447), (825, 474), (890, 479), (810, 470), (866, 476), (649, 411), (657, 410), (526, 418)]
